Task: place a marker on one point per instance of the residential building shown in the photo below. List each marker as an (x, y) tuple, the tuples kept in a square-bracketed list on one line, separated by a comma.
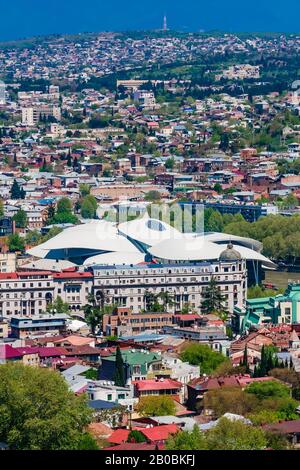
[(24, 326), (280, 309), (137, 365)]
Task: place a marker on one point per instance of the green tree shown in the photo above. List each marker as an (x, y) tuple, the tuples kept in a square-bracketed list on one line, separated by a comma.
[(89, 207), (214, 223), (167, 299), (230, 400), (15, 243), (64, 205), (169, 163), (136, 436), (16, 192), (84, 189), (203, 356), (58, 306), (225, 435), (290, 202), (64, 213), (38, 412), (218, 188), (224, 143), (20, 219), (187, 440), (212, 298), (267, 389), (235, 435), (69, 160), (156, 406), (152, 196), (93, 316), (33, 237), (119, 376)]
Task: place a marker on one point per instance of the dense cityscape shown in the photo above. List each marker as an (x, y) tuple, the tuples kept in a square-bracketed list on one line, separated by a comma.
[(150, 241)]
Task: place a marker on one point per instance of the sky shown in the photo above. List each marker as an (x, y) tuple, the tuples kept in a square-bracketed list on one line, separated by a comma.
[(26, 18)]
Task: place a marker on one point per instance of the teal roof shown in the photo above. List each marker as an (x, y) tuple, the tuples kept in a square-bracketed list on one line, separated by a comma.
[(260, 300), (136, 357)]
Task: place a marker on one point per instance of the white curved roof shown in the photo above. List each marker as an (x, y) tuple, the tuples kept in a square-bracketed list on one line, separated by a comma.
[(200, 249), (165, 242), (94, 236), (226, 237), (148, 231), (115, 259)]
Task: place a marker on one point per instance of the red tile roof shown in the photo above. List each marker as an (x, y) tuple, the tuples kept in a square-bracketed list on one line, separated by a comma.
[(51, 351), (8, 352), (285, 427), (72, 275), (187, 317), (152, 384), (160, 433), (211, 383), (119, 436), (82, 351)]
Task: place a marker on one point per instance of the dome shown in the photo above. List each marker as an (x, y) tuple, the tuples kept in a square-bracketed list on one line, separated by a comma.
[(230, 254)]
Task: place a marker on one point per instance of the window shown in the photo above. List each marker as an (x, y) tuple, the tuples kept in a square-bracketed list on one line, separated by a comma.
[(109, 397)]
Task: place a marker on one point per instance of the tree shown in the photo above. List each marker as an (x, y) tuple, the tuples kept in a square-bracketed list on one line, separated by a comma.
[(202, 355), (286, 375), (167, 299), (119, 376), (16, 192), (152, 196), (290, 202), (212, 298), (64, 205), (93, 316), (156, 406), (214, 222), (225, 435), (1, 208), (84, 189), (136, 436), (32, 237), (39, 412), (64, 213), (267, 389), (20, 219), (169, 163), (15, 243), (218, 188), (69, 159), (58, 306), (235, 435), (187, 440), (268, 361), (224, 143), (89, 207), (51, 212), (230, 400), (227, 369)]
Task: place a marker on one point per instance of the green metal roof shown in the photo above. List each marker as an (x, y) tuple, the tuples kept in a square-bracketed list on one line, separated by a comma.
[(136, 357)]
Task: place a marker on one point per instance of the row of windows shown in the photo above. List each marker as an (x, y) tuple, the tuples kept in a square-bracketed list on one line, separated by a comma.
[(31, 284)]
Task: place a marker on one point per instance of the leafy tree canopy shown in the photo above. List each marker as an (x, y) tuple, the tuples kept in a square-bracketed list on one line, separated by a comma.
[(156, 406), (203, 356), (38, 412)]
